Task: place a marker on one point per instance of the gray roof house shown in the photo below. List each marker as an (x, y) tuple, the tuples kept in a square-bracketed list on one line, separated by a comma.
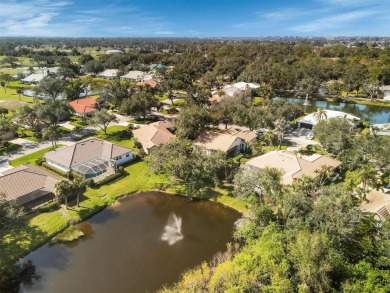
[(29, 185), (90, 157)]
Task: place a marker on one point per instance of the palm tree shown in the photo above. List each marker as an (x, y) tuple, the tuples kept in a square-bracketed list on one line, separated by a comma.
[(2, 83), (367, 175), (280, 127), (66, 188), (63, 190), (19, 92), (320, 114), (52, 133)]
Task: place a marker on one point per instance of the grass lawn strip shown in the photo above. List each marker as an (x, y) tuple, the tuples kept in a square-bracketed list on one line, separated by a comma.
[(30, 158), (43, 227)]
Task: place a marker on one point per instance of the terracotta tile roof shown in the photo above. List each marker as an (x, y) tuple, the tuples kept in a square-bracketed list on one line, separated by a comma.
[(151, 83), (26, 183), (84, 151), (215, 141), (86, 105), (291, 165)]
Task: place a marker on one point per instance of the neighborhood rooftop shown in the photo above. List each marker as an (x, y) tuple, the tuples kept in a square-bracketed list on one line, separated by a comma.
[(293, 166), (84, 151), (26, 183)]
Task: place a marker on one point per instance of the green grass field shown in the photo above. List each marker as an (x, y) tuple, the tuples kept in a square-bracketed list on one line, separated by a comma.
[(30, 158), (115, 135)]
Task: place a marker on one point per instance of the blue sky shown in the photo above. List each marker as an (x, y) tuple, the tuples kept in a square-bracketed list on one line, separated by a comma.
[(194, 18)]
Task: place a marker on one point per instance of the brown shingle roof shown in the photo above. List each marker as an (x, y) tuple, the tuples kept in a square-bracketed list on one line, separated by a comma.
[(86, 150), (26, 183)]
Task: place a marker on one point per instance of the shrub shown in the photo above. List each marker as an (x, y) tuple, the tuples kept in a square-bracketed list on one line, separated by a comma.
[(121, 169), (109, 179), (39, 161)]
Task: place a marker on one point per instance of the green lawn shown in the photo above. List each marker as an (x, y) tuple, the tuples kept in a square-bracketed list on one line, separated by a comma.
[(115, 135), (10, 99), (30, 159)]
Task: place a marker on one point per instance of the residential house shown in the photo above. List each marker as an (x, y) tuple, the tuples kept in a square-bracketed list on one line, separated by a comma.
[(114, 52), (90, 157), (84, 107), (151, 83), (153, 135), (34, 78), (378, 203), (109, 74), (210, 141), (309, 121), (29, 185), (292, 166), (245, 85), (134, 75), (154, 67), (386, 92), (247, 136)]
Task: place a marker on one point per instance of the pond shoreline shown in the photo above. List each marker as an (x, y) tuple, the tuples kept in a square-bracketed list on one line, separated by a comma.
[(100, 208)]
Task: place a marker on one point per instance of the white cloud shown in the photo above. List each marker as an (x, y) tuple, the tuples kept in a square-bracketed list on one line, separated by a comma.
[(334, 21)]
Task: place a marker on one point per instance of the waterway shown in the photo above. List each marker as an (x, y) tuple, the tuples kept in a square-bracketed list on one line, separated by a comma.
[(375, 114), (124, 252)]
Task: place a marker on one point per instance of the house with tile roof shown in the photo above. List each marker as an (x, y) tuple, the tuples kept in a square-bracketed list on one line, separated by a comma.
[(378, 203), (28, 185), (153, 135), (209, 141), (109, 74), (84, 107), (134, 75), (90, 157), (292, 166)]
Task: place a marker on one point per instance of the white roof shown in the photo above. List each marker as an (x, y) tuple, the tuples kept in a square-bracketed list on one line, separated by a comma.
[(35, 77), (148, 77), (311, 119), (114, 52), (134, 74), (243, 85), (109, 73)]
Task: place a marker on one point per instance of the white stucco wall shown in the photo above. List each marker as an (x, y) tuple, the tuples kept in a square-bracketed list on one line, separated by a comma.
[(58, 166), (125, 159)]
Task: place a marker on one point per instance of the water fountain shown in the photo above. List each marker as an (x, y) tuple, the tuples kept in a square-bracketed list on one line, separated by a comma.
[(306, 103), (172, 230)]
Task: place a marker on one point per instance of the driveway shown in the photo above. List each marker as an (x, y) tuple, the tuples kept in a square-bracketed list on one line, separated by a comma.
[(297, 139)]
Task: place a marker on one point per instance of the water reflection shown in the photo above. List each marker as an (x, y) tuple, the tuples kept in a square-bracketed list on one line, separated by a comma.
[(123, 251), (375, 114)]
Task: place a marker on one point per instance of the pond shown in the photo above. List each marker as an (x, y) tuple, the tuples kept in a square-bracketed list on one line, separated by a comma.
[(31, 93), (125, 250), (375, 114)]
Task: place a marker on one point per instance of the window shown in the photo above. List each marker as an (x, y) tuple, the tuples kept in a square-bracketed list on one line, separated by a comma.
[(119, 157), (127, 155)]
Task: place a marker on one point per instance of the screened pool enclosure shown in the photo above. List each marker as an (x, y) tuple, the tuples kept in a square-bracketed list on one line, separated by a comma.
[(94, 167)]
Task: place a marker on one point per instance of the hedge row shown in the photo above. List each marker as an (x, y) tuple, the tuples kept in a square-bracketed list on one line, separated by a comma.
[(60, 172), (109, 179)]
